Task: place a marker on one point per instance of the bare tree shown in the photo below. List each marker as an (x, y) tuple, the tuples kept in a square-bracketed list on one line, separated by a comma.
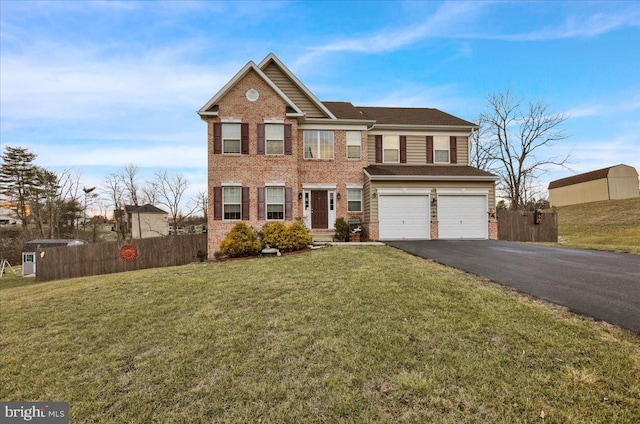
[(201, 201), (129, 176), (518, 140), (169, 190)]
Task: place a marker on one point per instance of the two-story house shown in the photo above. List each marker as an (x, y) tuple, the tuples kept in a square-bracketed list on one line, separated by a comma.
[(276, 152)]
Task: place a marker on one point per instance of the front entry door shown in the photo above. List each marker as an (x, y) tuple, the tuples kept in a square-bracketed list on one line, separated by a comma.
[(319, 209)]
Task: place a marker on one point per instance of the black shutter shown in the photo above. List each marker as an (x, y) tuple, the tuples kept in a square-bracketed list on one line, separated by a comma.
[(287, 139), (245, 203), (261, 205), (244, 139), (403, 149), (217, 138), (453, 149), (378, 149), (288, 204), (260, 139), (217, 203), (429, 149)]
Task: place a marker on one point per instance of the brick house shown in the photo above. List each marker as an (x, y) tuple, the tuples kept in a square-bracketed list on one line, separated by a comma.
[(276, 152)]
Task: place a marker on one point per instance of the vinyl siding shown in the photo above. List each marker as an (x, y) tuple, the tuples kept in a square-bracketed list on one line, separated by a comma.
[(417, 149), (294, 93)]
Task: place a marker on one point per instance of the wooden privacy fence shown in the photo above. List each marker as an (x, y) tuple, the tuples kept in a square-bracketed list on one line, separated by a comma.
[(521, 226), (105, 258)]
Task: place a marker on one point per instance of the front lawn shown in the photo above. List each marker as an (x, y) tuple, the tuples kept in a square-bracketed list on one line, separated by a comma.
[(362, 334)]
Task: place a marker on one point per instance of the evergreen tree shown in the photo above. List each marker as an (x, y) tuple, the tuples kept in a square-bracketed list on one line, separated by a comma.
[(18, 180)]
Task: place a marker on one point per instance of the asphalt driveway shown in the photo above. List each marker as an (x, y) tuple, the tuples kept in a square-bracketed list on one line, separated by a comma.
[(603, 285)]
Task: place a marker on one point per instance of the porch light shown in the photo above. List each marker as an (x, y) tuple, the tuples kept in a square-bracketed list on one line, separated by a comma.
[(338, 196), (300, 196), (434, 200)]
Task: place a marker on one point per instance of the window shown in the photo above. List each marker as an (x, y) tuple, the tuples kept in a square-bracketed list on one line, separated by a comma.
[(391, 148), (354, 145), (275, 203), (231, 138), (441, 149), (274, 138), (354, 200), (318, 144), (232, 202)]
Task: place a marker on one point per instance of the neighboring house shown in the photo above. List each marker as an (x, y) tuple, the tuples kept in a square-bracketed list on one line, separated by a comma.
[(275, 152), (29, 252), (614, 182), (147, 220), (8, 217)]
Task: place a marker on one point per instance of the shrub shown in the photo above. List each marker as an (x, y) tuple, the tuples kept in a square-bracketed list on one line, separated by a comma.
[(300, 237), (275, 235), (287, 239), (342, 230), (241, 241)]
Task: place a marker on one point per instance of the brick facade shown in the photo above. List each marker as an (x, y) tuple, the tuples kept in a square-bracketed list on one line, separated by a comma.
[(253, 171)]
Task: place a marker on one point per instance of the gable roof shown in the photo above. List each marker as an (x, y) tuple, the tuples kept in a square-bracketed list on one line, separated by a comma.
[(271, 58), (148, 208), (581, 178), (397, 115), (427, 172), (207, 109)]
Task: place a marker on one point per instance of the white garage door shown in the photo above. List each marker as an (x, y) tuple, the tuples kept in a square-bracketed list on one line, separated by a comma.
[(462, 217), (404, 217)]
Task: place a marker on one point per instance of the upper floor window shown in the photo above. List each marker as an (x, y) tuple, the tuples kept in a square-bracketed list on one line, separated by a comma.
[(231, 138), (391, 148), (440, 149), (232, 202), (354, 200), (274, 139), (354, 144), (318, 144), (275, 203)]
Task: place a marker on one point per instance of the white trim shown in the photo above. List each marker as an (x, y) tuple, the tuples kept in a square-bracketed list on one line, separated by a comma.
[(466, 129), (400, 131), (428, 178), (273, 121), (320, 186), (333, 126), (231, 120), (274, 184), (462, 191), (403, 191), (231, 184), (354, 186), (237, 77), (296, 82)]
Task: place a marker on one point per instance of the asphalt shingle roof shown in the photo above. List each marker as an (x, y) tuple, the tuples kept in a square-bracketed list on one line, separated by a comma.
[(426, 170), (395, 115), (580, 178)]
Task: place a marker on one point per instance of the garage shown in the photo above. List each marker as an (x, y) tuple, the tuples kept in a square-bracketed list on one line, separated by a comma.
[(462, 216), (404, 215)]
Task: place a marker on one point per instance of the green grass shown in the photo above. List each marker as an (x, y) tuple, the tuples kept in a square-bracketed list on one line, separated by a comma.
[(366, 334), (610, 225)]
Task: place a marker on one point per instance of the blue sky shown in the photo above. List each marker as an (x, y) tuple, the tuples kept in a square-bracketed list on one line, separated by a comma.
[(93, 86)]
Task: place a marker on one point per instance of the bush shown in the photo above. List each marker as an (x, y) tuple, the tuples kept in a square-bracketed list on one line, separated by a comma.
[(287, 239), (275, 234), (300, 237), (241, 241), (342, 230)]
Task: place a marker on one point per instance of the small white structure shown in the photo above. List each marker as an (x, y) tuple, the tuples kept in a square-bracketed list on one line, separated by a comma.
[(145, 221), (29, 252)]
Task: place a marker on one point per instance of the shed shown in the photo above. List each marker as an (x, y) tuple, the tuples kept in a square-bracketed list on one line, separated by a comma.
[(29, 252), (614, 182)]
